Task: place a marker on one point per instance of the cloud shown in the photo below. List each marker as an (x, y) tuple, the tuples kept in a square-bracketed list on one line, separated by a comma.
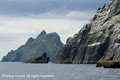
[(15, 31), (23, 26), (70, 15), (26, 7)]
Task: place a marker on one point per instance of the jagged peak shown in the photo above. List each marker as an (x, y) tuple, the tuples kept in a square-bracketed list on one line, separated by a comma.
[(43, 32), (53, 34), (29, 40)]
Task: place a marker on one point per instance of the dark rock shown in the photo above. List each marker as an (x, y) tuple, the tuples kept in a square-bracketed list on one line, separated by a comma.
[(114, 65), (108, 64), (104, 6), (98, 9), (43, 59), (98, 65)]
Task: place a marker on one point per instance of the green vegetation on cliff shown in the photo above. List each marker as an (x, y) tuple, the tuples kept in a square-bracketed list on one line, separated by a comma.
[(33, 48)]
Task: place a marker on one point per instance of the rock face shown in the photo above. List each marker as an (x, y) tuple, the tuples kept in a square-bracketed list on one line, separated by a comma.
[(109, 64), (97, 41), (42, 59), (33, 48)]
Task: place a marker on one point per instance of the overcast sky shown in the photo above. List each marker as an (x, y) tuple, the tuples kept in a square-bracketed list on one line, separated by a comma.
[(21, 19)]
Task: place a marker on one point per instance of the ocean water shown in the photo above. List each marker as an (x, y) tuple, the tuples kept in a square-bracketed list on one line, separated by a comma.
[(22, 71)]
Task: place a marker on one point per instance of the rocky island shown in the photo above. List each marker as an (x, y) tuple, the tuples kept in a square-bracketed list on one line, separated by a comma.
[(42, 59), (97, 42), (34, 48)]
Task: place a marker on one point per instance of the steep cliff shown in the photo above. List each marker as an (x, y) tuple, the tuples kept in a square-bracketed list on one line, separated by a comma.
[(34, 48), (97, 41)]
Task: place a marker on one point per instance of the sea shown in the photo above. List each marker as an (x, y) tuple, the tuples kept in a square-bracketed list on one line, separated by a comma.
[(50, 71)]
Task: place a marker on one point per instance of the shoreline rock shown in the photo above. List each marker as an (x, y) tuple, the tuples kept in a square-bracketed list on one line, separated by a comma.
[(109, 63), (43, 59)]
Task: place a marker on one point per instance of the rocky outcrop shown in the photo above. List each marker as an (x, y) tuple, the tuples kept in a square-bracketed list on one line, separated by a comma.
[(97, 41), (109, 63), (42, 59), (33, 48)]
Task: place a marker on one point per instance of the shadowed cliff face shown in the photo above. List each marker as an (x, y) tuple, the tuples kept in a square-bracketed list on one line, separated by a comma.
[(33, 48), (98, 40)]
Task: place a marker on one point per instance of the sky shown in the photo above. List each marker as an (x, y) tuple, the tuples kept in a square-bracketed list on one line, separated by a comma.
[(21, 19)]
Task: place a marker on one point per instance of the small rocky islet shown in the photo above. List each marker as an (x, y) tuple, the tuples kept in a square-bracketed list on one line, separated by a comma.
[(42, 59)]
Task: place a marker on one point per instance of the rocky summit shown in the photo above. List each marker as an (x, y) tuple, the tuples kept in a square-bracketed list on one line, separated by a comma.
[(98, 41), (34, 48)]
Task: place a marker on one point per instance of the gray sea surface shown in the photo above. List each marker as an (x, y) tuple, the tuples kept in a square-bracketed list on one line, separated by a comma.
[(23, 71)]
